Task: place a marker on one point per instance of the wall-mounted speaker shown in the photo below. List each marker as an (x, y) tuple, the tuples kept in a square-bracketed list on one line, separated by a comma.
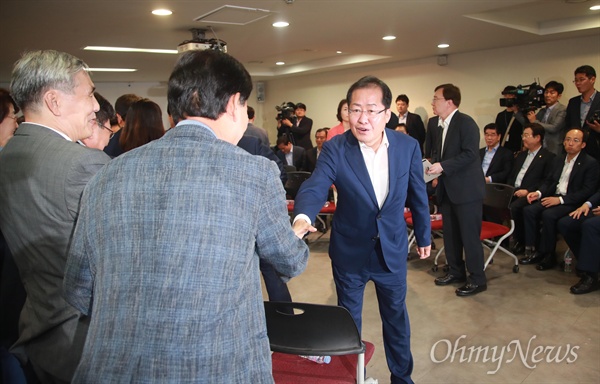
[(260, 92), (442, 60)]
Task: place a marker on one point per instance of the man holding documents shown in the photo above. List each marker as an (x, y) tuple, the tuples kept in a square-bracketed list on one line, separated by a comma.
[(460, 191)]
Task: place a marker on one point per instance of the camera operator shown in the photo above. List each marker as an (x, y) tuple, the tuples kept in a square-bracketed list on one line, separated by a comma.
[(583, 111), (510, 122), (297, 127), (551, 117)]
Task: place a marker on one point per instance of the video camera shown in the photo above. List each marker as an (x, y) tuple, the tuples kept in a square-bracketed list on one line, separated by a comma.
[(286, 110), (528, 97)]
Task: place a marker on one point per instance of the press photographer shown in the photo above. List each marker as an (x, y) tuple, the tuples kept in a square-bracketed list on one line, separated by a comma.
[(517, 101), (551, 117), (292, 121)]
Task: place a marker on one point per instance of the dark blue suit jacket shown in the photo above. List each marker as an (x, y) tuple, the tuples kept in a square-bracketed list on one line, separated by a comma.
[(358, 222)]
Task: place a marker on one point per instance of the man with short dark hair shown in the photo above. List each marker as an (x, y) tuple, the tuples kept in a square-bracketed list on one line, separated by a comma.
[(584, 111), (44, 171), (510, 121), (551, 117), (165, 255), (298, 129), (572, 180), (376, 171), (496, 161), (255, 131), (313, 154), (291, 154), (414, 123), (530, 169), (459, 192)]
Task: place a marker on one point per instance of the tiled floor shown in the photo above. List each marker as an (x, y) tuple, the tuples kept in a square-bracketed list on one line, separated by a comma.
[(558, 333)]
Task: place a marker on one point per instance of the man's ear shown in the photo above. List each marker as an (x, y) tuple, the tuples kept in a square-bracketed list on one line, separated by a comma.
[(52, 101)]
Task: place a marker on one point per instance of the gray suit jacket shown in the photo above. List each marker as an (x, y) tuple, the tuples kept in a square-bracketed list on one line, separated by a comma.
[(554, 127), (165, 259), (42, 176)]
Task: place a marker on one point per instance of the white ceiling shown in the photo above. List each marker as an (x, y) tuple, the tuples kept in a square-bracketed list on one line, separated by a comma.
[(318, 28)]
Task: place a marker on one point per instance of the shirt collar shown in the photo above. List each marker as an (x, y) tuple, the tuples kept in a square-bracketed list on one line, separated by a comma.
[(384, 141)]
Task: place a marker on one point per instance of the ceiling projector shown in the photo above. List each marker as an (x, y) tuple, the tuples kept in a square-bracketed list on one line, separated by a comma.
[(200, 43)]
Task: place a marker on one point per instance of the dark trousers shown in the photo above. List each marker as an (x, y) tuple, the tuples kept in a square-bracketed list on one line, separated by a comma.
[(391, 294), (462, 228), (276, 288), (583, 238), (536, 213), (516, 212)]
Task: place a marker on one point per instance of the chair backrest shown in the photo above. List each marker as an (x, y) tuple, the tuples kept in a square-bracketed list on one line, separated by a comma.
[(289, 168), (311, 329), (295, 179), (496, 202)]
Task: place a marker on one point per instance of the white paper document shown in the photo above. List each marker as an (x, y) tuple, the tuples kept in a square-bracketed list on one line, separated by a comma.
[(428, 178)]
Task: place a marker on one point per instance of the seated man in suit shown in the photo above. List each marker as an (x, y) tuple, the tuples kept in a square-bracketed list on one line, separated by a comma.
[(496, 161), (530, 169), (313, 154), (291, 154), (414, 123), (573, 179), (581, 230), (551, 117)]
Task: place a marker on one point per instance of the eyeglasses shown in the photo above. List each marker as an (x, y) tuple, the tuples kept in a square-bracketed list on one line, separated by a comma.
[(574, 141), (112, 133), (369, 112), (437, 99), (526, 135)]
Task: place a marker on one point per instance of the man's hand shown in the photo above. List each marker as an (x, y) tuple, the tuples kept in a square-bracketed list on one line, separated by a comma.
[(550, 201), (435, 169), (424, 252), (521, 193), (584, 209), (596, 211), (531, 116), (301, 228), (532, 196), (595, 125), (287, 122)]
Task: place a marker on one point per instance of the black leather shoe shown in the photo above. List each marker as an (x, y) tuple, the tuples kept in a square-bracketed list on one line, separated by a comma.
[(449, 279), (534, 258), (587, 284), (470, 289), (517, 248), (549, 262)]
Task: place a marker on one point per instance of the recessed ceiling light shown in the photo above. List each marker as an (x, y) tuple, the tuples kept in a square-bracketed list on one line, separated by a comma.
[(280, 63), (162, 12), (338, 52), (595, 7), (124, 49), (444, 45), (111, 69), (389, 37), (281, 24)]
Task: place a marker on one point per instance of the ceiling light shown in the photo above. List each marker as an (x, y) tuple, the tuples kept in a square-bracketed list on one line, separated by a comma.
[(111, 69), (444, 45), (595, 8), (338, 52), (281, 24), (162, 12), (124, 49), (280, 63), (389, 37)]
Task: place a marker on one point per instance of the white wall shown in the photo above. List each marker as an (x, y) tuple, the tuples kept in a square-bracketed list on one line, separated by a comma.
[(480, 76)]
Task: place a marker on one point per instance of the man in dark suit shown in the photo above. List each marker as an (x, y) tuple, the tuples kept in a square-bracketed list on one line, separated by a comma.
[(44, 171), (573, 179), (460, 191), (510, 121), (582, 109), (581, 230), (291, 154), (414, 123), (313, 154), (530, 169), (376, 171), (297, 129), (496, 161)]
